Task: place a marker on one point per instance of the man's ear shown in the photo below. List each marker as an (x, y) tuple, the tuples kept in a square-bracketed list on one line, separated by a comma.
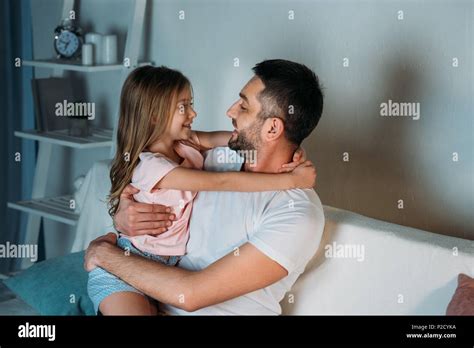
[(273, 128)]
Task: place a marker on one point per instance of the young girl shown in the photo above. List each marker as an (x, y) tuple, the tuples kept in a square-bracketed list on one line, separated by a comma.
[(156, 114)]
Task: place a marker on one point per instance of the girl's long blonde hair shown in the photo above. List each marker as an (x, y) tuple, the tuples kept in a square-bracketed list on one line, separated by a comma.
[(147, 104)]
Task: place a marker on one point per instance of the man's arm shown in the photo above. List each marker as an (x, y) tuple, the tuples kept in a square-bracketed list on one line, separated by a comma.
[(238, 273)]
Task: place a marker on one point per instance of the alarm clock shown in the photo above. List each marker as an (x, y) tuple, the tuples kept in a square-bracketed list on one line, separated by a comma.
[(67, 40)]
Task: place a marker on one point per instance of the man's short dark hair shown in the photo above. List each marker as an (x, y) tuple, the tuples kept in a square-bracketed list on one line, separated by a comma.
[(292, 93)]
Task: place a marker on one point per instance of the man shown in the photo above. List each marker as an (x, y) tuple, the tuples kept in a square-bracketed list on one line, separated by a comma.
[(245, 250)]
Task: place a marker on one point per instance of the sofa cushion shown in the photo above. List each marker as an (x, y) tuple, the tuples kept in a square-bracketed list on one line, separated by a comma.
[(54, 287)]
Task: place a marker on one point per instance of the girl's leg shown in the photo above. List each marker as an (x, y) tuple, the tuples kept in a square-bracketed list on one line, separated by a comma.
[(127, 303)]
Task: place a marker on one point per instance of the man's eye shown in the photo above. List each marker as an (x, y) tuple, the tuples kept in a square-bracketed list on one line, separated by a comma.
[(242, 108)]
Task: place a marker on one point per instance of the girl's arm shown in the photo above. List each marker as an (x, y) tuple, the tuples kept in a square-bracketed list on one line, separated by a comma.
[(186, 179), (210, 140)]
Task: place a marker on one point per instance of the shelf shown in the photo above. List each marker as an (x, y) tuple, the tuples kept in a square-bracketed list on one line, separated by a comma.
[(74, 65), (54, 208), (98, 138)]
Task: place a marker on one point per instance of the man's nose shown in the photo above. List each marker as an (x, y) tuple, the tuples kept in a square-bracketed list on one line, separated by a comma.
[(230, 112)]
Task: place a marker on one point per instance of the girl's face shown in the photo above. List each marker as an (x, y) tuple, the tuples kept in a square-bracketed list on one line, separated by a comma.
[(183, 116)]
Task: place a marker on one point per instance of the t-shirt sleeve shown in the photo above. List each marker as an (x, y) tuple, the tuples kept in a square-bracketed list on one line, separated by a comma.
[(150, 170), (290, 230)]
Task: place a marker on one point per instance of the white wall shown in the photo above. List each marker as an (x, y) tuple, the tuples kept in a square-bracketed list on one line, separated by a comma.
[(407, 60)]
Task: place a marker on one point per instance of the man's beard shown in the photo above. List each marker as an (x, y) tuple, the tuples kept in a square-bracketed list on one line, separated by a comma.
[(248, 138)]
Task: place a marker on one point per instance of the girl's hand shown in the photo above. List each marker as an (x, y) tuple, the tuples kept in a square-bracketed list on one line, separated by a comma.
[(298, 158), (304, 175), (194, 138), (193, 141)]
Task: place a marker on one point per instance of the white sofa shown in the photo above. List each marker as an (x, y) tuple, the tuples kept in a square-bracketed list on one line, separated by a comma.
[(403, 270)]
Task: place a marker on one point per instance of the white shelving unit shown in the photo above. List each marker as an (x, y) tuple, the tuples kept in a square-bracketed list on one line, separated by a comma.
[(53, 208), (74, 65), (59, 208), (98, 137)]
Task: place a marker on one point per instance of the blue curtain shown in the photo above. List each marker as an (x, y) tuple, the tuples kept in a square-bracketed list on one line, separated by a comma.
[(17, 108)]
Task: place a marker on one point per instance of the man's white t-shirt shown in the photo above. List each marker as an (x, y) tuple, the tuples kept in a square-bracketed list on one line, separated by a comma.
[(284, 225)]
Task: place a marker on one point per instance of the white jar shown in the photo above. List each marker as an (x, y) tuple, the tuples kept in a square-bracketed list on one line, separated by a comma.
[(87, 54), (96, 40), (109, 49)]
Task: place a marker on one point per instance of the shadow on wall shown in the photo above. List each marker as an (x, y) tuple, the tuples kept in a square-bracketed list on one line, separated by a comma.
[(381, 177)]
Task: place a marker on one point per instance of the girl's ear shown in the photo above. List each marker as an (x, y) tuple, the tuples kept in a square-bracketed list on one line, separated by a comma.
[(273, 128)]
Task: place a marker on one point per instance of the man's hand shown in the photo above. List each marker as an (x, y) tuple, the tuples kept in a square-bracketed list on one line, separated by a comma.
[(91, 258), (299, 157), (135, 219)]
